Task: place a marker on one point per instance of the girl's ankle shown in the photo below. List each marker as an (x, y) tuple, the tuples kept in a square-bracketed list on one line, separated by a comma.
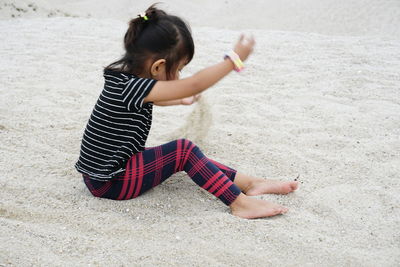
[(239, 202)]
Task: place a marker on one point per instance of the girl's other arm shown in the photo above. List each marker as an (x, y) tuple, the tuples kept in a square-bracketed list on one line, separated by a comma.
[(184, 101), (169, 103)]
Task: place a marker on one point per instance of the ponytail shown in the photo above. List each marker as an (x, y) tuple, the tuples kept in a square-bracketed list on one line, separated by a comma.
[(155, 34)]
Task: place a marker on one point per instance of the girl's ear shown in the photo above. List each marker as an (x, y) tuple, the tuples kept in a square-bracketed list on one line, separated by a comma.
[(158, 68)]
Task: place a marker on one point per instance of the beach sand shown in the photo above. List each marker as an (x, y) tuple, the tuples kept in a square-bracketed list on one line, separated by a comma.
[(319, 98)]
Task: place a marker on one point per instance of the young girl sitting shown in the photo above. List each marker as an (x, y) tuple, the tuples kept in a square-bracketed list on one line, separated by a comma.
[(113, 159)]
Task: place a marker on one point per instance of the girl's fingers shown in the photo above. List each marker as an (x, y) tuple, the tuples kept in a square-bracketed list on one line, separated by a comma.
[(247, 41), (191, 99), (241, 38), (252, 40)]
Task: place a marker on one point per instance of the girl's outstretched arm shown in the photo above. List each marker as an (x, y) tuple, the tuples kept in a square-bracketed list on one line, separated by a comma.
[(178, 89)]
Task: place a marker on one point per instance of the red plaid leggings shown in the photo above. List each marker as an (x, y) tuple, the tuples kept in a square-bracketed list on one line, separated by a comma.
[(151, 167)]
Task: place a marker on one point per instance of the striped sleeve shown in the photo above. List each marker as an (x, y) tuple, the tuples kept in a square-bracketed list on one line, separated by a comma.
[(135, 91)]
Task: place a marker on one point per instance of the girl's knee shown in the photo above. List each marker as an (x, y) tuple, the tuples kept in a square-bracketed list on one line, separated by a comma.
[(184, 141), (185, 149), (185, 144)]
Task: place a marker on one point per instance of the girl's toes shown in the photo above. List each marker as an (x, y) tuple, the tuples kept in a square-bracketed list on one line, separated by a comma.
[(295, 185), (280, 210), (277, 211)]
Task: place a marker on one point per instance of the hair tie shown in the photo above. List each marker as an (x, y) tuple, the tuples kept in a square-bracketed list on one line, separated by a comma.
[(143, 16)]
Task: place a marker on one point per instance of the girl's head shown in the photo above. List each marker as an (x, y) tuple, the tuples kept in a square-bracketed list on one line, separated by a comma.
[(157, 46)]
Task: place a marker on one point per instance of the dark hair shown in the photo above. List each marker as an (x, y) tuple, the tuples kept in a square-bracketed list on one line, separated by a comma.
[(156, 36)]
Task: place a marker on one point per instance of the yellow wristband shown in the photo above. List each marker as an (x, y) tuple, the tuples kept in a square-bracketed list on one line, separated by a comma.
[(237, 62)]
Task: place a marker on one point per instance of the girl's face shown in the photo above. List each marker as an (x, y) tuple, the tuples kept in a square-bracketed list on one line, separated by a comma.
[(181, 65), (158, 70), (176, 74)]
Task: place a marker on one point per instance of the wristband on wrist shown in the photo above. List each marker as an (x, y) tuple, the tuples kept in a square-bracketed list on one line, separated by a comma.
[(237, 62)]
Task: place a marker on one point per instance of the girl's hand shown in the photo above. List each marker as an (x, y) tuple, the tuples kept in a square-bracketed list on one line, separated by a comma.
[(190, 100), (244, 47)]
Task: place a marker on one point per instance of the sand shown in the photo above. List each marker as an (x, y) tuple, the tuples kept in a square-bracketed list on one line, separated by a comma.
[(320, 98)]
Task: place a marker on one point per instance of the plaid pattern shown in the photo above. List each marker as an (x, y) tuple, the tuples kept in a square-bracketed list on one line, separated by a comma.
[(151, 167)]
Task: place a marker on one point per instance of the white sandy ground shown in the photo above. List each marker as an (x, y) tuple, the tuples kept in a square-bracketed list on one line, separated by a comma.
[(325, 106), (329, 17)]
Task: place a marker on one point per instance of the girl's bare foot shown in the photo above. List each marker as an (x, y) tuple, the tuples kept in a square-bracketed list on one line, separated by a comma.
[(261, 186), (250, 208)]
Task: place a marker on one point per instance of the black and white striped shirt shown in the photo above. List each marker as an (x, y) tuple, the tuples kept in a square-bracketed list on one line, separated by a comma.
[(118, 127)]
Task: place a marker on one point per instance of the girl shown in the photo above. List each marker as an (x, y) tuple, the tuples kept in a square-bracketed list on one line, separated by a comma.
[(113, 159)]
